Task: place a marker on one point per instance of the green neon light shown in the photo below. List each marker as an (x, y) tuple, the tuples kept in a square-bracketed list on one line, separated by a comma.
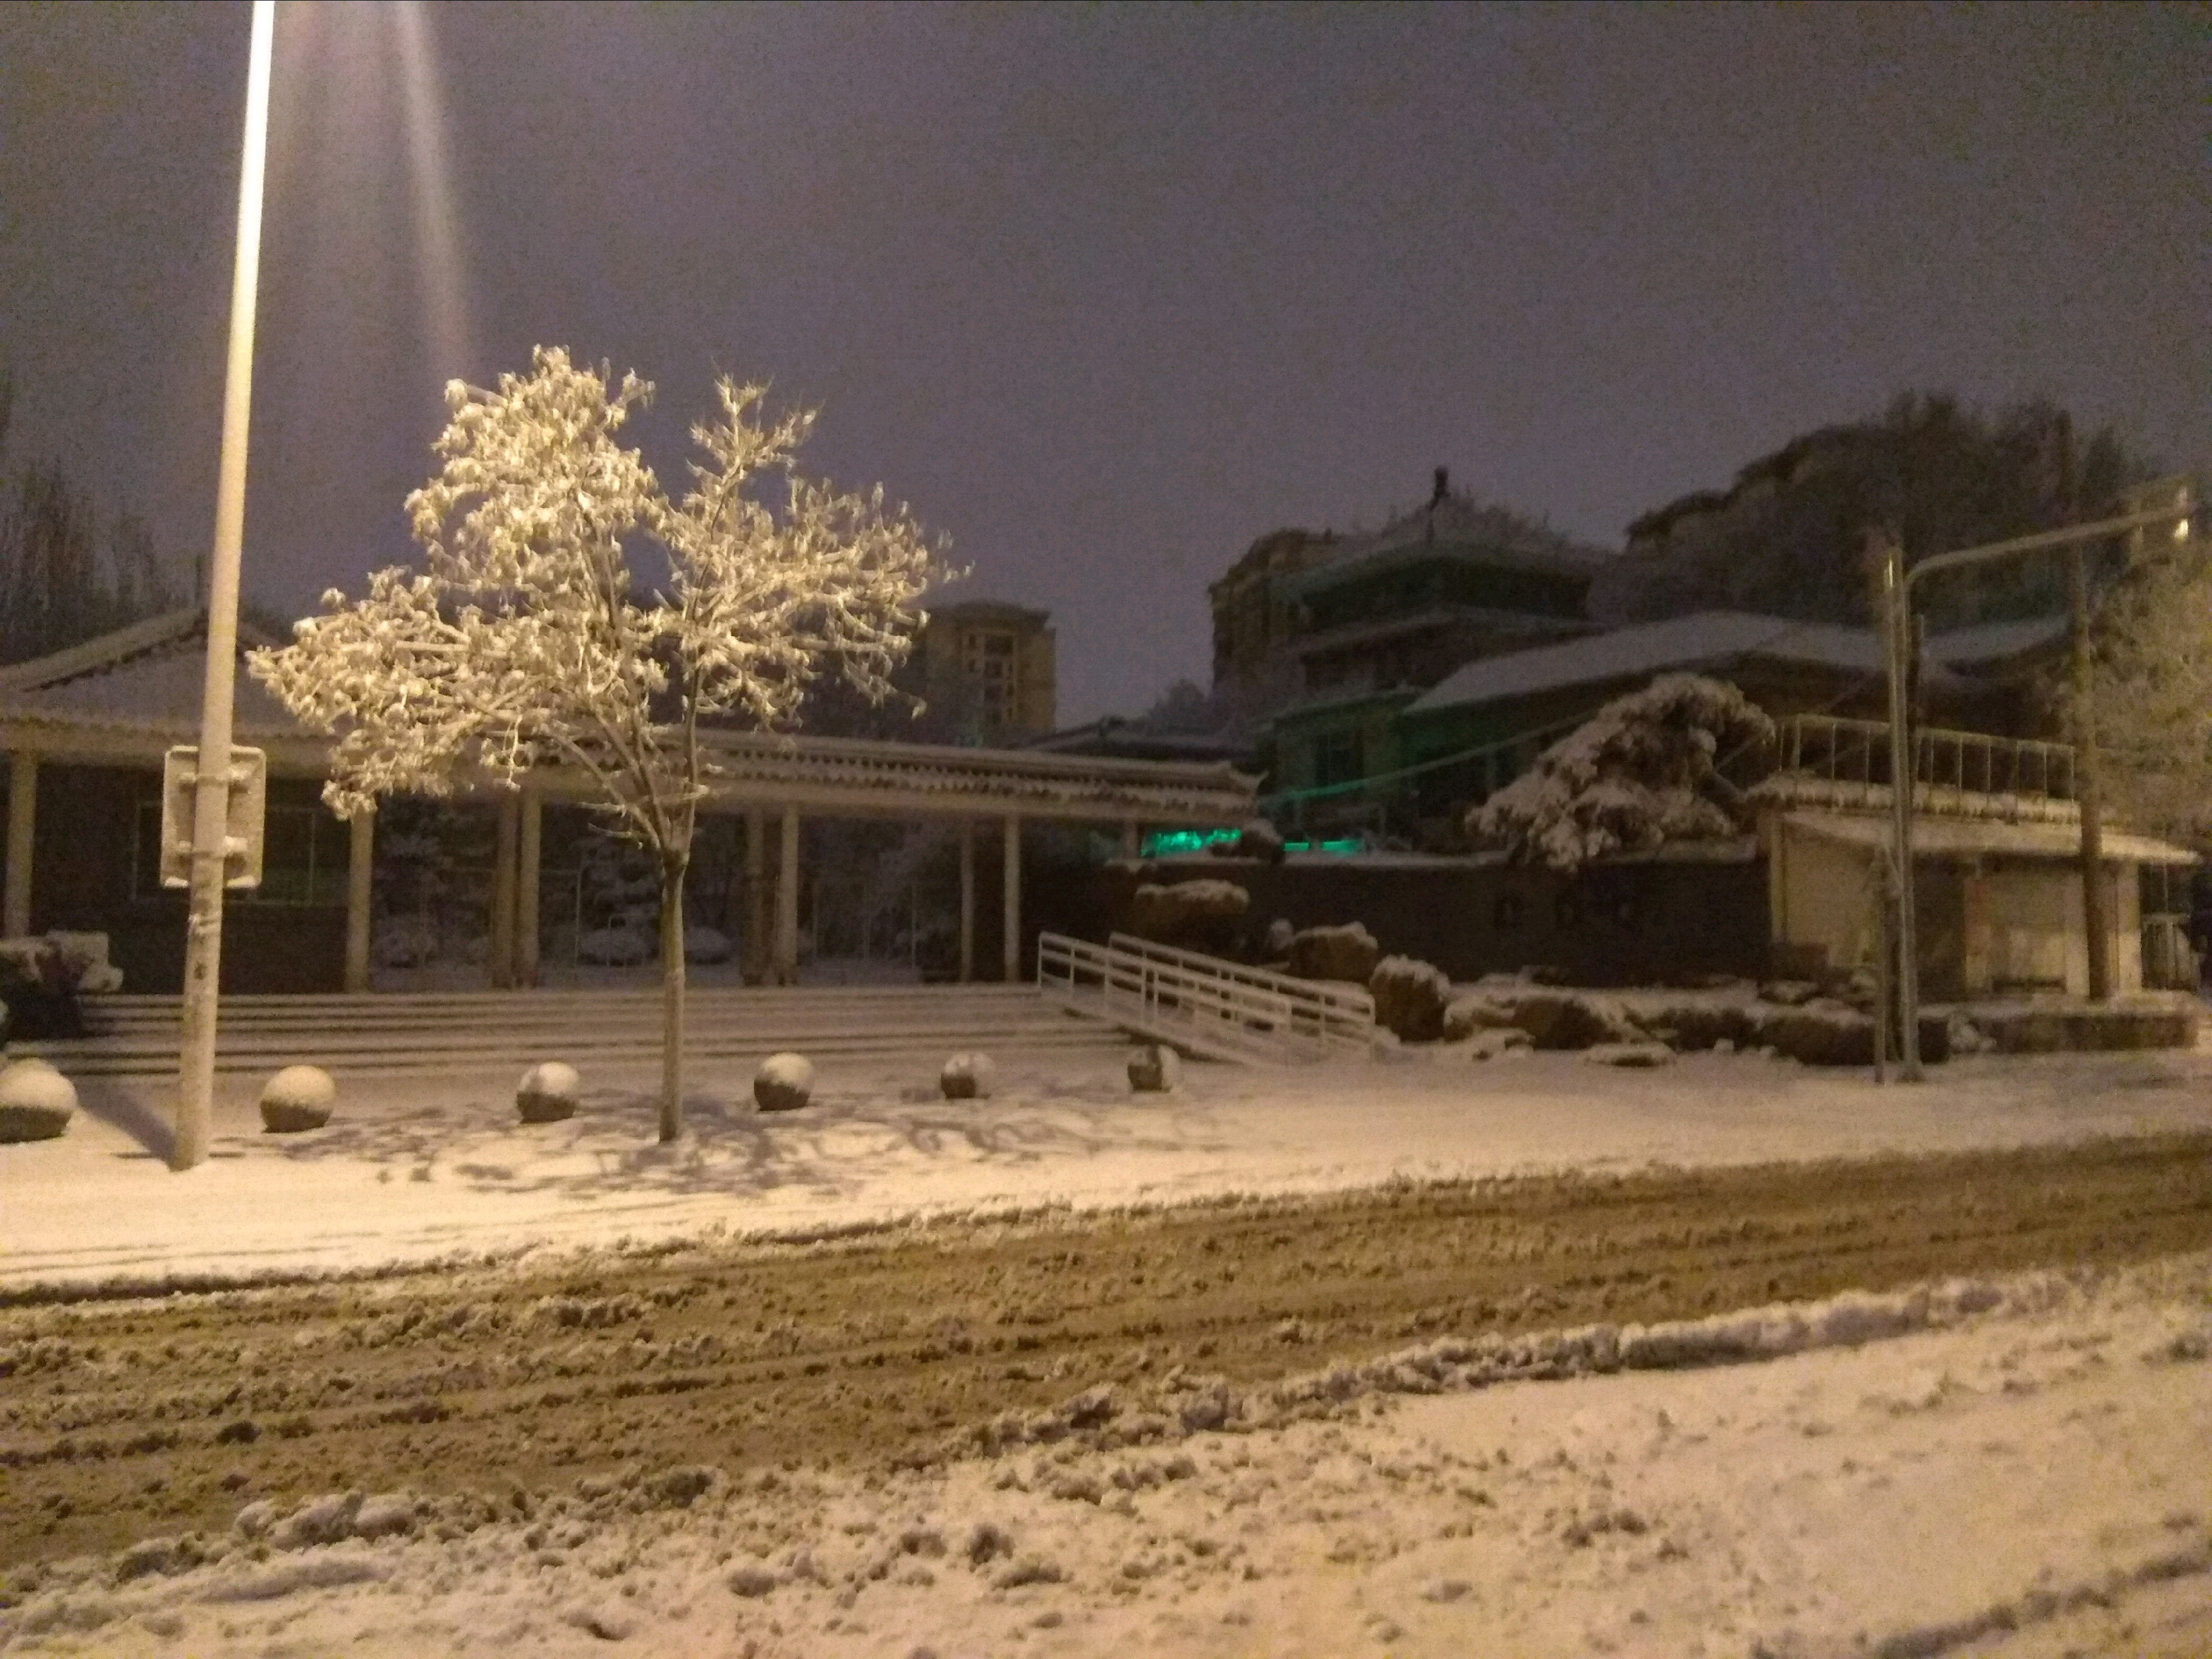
[(1163, 843)]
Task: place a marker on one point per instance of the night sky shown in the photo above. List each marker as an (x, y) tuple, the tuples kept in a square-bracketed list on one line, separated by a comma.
[(1105, 293)]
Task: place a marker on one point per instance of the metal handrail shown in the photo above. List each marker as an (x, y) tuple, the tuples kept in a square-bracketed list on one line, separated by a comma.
[(1856, 752), (1217, 1007)]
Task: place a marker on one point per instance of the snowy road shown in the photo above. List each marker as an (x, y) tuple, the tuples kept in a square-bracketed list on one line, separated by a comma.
[(422, 1168)]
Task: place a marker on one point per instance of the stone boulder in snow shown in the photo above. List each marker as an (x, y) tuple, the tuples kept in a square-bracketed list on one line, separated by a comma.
[(1631, 1055), (1553, 1017), (36, 1102), (784, 1083), (1692, 1023), (1348, 953), (1498, 1043), (1154, 1069), (967, 1077), (1410, 998), (1466, 1015), (547, 1092), (1196, 915), (298, 1098)]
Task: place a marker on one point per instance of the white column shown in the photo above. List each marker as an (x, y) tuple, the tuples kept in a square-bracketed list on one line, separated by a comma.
[(754, 954), (503, 893), (1012, 950), (360, 867), (787, 903), (23, 819), (526, 888), (967, 900)]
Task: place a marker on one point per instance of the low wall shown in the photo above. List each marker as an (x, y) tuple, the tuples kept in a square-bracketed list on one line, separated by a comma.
[(1622, 924)]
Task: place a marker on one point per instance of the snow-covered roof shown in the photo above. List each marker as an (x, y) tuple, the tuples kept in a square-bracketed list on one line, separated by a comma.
[(124, 698), (1704, 640), (1987, 643), (1956, 837), (150, 671), (1454, 526)]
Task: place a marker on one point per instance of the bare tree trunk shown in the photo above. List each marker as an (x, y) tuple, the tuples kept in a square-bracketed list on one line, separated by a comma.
[(671, 999)]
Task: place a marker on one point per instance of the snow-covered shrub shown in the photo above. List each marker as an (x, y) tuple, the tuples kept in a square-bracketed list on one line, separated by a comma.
[(1196, 915), (1410, 998), (1646, 769), (704, 943), (1348, 953), (405, 941), (613, 947)]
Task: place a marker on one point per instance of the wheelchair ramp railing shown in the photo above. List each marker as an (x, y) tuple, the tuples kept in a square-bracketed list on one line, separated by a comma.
[(1202, 1004)]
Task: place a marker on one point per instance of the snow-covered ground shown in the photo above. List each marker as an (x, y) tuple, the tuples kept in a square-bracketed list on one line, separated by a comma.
[(2012, 1468), (418, 1167)]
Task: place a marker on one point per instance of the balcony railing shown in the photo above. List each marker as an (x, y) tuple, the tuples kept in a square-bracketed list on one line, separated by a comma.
[(1828, 760)]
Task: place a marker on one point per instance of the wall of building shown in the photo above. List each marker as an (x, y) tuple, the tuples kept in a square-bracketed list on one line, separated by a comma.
[(88, 875)]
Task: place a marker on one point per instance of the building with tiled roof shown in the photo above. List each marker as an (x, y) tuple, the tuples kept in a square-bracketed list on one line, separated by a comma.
[(85, 729)]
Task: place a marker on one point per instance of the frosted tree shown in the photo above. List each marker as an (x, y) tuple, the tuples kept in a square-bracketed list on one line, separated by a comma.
[(1647, 769), (2151, 686), (527, 640)]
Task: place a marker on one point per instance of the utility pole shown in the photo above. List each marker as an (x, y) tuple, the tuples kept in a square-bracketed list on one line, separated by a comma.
[(211, 800), (2169, 503), (2087, 780), (1897, 657)]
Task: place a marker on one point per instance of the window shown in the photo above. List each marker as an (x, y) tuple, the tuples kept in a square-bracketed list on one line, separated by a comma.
[(303, 855), (1338, 758), (1505, 912), (987, 658)]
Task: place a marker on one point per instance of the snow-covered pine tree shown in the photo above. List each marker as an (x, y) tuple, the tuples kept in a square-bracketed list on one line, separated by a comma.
[(1647, 769), (526, 639)]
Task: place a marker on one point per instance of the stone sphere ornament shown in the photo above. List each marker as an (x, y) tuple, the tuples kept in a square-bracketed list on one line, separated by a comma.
[(784, 1083), (1154, 1068), (36, 1102), (298, 1098), (967, 1077), (547, 1092)]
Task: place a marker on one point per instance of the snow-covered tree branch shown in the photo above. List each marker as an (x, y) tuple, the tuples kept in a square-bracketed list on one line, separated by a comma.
[(1647, 769), (526, 640)]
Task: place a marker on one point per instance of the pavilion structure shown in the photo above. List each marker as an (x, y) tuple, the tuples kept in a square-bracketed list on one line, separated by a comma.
[(85, 730)]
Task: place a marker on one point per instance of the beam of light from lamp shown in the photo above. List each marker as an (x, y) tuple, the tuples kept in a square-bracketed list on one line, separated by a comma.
[(437, 217)]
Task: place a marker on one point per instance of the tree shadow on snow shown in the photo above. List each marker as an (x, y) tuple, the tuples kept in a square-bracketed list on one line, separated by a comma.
[(842, 1142)]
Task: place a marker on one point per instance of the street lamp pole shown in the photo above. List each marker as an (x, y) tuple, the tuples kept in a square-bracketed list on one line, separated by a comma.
[(211, 790), (1897, 584)]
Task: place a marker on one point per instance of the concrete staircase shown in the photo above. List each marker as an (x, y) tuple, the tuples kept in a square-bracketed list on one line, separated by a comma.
[(138, 1036)]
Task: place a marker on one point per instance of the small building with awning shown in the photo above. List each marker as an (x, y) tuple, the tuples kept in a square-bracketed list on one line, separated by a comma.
[(85, 730)]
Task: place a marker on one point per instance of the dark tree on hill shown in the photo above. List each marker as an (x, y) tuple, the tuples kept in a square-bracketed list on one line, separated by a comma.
[(1786, 537), (65, 577)]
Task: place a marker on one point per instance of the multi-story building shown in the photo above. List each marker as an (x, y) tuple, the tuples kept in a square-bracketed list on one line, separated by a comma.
[(987, 671)]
